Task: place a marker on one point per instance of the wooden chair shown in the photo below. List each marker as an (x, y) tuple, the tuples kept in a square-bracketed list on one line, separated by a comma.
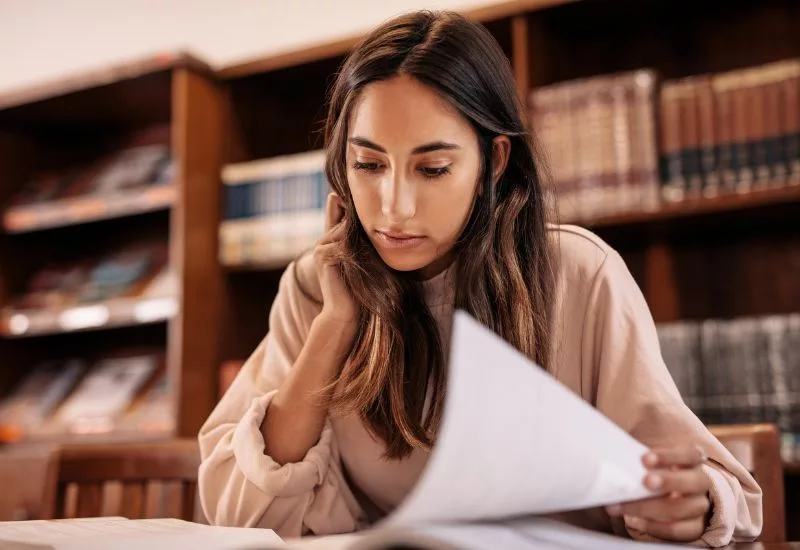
[(142, 480), (758, 448), (28, 478)]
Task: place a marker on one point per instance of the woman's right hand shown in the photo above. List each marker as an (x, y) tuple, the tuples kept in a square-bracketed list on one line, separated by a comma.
[(338, 305), (295, 418)]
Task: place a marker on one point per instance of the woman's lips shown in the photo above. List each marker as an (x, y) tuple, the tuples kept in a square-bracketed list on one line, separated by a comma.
[(394, 239)]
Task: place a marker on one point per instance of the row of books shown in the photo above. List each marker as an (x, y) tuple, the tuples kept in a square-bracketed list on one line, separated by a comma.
[(124, 393), (65, 296), (134, 178), (744, 370), (274, 208), (599, 138), (731, 132), (628, 142)]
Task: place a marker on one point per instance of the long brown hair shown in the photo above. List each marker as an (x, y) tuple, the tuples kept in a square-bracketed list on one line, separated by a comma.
[(504, 273)]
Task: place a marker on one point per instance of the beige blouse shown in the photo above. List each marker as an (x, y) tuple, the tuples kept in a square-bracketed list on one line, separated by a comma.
[(606, 351)]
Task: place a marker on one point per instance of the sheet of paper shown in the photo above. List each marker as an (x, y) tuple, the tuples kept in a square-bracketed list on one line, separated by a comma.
[(529, 534), (514, 441), (551, 533), (518, 534), (122, 534)]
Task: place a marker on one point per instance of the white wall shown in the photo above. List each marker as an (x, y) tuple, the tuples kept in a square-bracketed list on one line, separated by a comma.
[(41, 40)]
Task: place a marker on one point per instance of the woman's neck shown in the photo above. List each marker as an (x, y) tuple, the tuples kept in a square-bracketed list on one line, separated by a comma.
[(436, 268)]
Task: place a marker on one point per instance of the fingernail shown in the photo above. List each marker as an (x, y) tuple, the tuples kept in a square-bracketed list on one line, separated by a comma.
[(614, 510), (636, 523), (650, 459), (654, 481)]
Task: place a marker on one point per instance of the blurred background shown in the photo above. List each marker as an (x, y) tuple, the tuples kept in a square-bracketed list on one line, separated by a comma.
[(46, 39), (161, 163)]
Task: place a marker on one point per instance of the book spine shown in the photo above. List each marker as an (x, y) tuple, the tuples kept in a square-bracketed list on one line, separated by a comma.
[(674, 185), (791, 105), (567, 143), (777, 402), (587, 104), (722, 85), (690, 139), (707, 137), (757, 124), (645, 138), (741, 158), (622, 97), (604, 195), (772, 121), (711, 371)]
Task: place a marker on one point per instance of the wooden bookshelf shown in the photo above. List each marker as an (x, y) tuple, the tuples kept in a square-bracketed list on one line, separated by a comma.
[(72, 211), (172, 100)]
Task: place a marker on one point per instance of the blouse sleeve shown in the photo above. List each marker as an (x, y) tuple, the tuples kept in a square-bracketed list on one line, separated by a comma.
[(240, 485), (635, 390)]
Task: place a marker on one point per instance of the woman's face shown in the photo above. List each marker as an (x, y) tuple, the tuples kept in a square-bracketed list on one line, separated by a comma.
[(413, 165)]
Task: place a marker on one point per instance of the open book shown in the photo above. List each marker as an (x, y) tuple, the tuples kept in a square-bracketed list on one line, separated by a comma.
[(115, 533), (514, 444)]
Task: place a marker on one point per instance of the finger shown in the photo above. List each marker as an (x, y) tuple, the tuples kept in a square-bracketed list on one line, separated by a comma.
[(335, 234), (334, 211), (666, 508), (687, 481), (681, 531), (683, 455), (326, 253)]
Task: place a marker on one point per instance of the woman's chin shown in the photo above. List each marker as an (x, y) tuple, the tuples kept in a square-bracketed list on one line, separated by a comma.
[(405, 262)]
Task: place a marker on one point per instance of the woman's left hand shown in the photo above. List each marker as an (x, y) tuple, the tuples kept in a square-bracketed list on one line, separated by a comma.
[(682, 513)]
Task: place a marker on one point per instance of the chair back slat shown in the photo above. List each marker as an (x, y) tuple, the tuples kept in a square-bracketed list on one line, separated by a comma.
[(189, 500), (90, 500), (134, 498), (758, 448), (137, 481)]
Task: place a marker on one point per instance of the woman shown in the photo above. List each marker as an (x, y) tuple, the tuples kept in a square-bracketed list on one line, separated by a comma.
[(439, 204)]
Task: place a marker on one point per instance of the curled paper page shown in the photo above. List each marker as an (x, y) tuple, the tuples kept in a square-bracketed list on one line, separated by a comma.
[(514, 441)]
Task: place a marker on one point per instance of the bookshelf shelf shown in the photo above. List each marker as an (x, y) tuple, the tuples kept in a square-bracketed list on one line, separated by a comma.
[(72, 211), (120, 312), (693, 208)]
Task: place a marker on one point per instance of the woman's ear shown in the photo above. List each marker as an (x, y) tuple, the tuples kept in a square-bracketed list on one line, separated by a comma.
[(501, 150)]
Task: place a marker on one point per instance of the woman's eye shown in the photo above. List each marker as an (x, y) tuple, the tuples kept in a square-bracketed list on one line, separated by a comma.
[(366, 166), (429, 172)]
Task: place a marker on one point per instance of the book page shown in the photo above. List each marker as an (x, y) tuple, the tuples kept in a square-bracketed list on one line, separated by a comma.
[(547, 533), (514, 441), (519, 534), (122, 534)]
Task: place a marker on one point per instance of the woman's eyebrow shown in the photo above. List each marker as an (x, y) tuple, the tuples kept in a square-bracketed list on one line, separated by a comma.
[(427, 148)]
